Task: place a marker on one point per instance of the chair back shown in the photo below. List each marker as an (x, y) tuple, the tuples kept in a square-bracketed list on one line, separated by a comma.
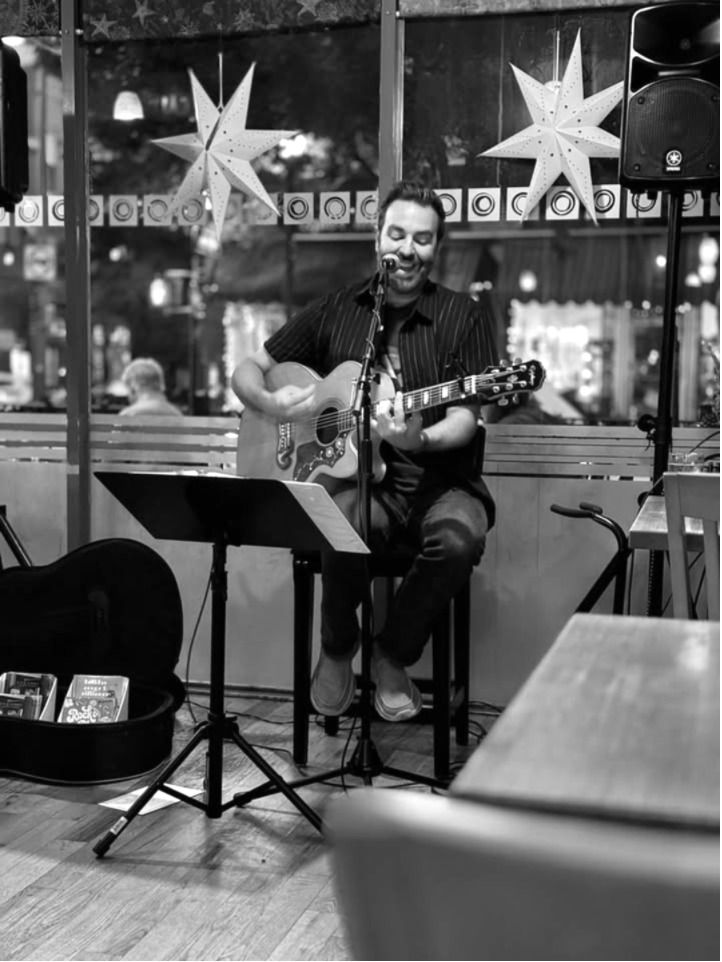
[(418, 876), (695, 496)]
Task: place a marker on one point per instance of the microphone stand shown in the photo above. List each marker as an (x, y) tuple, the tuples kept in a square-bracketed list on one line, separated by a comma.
[(365, 761)]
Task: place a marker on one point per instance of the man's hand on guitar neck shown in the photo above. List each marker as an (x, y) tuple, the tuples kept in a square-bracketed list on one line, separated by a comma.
[(391, 424), (455, 430)]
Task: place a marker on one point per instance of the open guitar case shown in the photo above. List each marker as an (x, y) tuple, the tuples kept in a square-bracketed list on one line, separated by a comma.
[(111, 607)]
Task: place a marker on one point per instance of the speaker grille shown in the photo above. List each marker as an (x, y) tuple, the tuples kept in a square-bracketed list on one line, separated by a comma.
[(671, 133)]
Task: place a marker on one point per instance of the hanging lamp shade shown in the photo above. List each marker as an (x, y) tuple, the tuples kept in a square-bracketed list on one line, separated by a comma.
[(128, 106)]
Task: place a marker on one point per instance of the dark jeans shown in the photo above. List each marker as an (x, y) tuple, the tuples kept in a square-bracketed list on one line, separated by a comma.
[(446, 531)]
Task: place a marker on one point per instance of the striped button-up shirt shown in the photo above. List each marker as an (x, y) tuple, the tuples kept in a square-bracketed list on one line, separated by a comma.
[(447, 333)]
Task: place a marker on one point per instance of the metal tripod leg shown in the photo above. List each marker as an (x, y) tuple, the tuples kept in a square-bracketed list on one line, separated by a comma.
[(216, 730)]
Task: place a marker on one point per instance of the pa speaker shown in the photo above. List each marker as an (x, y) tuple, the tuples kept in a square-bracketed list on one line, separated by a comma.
[(13, 128), (670, 114)]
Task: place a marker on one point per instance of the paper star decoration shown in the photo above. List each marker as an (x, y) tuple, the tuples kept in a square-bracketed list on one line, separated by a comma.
[(221, 150), (564, 133)]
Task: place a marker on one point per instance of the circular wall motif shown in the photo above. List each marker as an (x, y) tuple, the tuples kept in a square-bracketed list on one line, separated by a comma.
[(58, 209), (519, 202), (297, 208), (93, 209), (483, 204), (157, 209), (122, 210), (603, 200), (369, 207), (192, 212), (28, 211), (643, 202), (449, 202), (335, 208), (689, 199), (563, 203)]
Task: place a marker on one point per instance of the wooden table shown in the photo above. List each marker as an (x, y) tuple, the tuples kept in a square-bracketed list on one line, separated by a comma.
[(649, 528), (620, 720)]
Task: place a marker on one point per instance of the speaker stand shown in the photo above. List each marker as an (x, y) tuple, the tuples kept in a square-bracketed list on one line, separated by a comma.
[(663, 426)]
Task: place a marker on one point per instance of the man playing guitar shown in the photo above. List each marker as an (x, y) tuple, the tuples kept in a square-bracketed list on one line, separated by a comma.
[(430, 495)]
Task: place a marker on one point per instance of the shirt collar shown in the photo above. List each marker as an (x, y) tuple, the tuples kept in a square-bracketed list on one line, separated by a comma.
[(424, 309)]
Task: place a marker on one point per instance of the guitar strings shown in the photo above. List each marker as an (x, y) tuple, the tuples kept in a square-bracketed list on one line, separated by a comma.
[(435, 395)]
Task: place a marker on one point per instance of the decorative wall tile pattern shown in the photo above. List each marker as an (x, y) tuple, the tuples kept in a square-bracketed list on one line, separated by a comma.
[(358, 209)]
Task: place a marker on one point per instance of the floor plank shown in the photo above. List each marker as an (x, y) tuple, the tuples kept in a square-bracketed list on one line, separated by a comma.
[(253, 884)]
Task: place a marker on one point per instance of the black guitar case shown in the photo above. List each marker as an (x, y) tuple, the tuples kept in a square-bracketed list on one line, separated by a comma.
[(111, 607)]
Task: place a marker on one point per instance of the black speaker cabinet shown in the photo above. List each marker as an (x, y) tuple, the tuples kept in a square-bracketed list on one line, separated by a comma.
[(13, 128), (670, 115)]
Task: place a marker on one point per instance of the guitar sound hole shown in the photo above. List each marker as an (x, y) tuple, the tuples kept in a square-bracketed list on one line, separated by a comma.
[(327, 426)]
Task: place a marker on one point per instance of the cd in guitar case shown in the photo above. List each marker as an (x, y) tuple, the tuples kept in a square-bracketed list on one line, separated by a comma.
[(111, 607)]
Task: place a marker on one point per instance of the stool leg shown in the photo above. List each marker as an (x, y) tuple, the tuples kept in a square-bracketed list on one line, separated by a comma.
[(302, 629), (330, 724), (441, 705), (462, 658)]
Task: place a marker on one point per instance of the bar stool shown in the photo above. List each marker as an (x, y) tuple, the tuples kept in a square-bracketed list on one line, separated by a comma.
[(448, 687)]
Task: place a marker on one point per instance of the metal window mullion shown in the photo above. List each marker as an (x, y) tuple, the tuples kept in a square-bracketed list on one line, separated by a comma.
[(77, 275), (391, 96)]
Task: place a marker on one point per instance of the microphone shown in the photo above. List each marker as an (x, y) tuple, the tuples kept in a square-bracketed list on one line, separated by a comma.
[(390, 263)]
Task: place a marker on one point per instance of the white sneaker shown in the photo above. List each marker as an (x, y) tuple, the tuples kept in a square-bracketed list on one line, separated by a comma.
[(333, 685), (397, 698)]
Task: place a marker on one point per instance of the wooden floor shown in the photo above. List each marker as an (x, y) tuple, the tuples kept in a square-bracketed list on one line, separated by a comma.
[(253, 884)]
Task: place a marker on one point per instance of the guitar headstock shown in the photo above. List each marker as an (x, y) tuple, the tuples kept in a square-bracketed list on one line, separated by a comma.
[(503, 381)]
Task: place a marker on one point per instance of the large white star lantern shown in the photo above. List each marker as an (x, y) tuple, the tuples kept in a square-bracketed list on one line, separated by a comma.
[(221, 150), (564, 133)]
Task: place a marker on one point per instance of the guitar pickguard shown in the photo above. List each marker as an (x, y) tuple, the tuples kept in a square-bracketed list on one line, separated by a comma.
[(313, 457)]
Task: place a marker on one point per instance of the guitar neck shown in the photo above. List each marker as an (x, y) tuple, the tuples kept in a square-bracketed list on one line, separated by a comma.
[(429, 397), (422, 399), (484, 388)]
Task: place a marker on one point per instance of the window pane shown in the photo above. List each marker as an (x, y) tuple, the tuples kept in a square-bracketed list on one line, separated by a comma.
[(322, 88), (586, 299)]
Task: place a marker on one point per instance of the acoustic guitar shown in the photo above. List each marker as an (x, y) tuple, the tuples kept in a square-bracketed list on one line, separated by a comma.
[(323, 446)]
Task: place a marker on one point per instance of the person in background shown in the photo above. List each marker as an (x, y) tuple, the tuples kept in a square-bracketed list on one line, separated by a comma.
[(431, 495), (145, 382)]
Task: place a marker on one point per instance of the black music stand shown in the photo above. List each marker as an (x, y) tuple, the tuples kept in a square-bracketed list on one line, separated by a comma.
[(224, 510)]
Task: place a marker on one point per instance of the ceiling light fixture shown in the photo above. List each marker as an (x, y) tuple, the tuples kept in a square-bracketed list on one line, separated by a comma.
[(128, 107)]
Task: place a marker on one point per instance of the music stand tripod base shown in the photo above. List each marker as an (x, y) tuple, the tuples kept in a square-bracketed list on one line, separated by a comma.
[(225, 510)]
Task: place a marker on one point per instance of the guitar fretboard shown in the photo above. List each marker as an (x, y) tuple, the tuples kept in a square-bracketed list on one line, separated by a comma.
[(429, 397), (489, 386)]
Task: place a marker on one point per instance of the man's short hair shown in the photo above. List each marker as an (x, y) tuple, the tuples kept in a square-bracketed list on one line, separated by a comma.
[(420, 194), (144, 373)]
